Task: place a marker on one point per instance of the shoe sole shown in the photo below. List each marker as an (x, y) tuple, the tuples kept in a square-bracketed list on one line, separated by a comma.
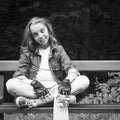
[(17, 101)]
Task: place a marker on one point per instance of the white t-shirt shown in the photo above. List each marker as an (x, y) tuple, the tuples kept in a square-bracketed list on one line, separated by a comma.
[(44, 74)]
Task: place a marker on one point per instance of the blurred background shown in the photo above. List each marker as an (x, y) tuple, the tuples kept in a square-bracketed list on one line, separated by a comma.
[(88, 30)]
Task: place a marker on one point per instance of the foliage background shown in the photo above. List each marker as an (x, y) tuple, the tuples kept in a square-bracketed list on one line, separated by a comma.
[(87, 29)]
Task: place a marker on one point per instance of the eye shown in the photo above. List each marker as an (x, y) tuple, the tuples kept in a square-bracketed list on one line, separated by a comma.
[(35, 34), (42, 30)]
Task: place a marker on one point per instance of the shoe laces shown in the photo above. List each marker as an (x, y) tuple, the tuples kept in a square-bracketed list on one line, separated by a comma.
[(31, 103)]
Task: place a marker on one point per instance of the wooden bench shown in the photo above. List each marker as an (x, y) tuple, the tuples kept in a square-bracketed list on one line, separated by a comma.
[(77, 108)]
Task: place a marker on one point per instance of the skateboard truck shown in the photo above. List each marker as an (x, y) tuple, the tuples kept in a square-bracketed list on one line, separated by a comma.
[(64, 100)]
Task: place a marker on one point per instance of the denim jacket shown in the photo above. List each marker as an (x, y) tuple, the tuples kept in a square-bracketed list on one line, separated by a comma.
[(59, 63)]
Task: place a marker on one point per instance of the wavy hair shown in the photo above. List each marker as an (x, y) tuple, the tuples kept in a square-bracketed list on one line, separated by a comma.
[(28, 40)]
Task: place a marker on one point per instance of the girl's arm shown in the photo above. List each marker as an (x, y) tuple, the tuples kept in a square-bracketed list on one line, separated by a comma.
[(72, 74), (68, 66), (24, 64)]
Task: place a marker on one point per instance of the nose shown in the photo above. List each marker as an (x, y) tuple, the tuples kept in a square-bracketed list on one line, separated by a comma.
[(40, 35)]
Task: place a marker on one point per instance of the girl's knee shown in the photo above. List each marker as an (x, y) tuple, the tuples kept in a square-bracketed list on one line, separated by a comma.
[(80, 84), (84, 80), (16, 87), (11, 83)]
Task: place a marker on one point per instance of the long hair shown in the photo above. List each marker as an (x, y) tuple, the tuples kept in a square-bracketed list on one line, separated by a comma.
[(28, 40)]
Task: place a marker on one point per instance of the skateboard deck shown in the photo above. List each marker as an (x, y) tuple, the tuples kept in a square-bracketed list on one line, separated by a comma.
[(61, 103)]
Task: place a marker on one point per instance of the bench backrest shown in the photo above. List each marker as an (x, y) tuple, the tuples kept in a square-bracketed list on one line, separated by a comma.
[(86, 65)]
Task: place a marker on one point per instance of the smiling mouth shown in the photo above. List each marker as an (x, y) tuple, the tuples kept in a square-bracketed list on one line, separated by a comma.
[(42, 40)]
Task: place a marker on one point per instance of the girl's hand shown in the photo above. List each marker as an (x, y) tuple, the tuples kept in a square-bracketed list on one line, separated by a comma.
[(65, 87), (40, 90)]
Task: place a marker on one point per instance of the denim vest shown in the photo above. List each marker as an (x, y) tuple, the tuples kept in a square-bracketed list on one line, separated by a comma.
[(59, 63)]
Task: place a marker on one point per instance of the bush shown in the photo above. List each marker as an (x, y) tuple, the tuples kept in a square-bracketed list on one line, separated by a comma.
[(105, 92)]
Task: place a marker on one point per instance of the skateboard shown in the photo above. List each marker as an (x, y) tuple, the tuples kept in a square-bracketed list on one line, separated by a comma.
[(61, 103)]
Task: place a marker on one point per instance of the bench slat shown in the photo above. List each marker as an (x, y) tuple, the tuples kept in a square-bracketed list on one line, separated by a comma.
[(1, 88), (76, 108), (98, 65), (86, 65)]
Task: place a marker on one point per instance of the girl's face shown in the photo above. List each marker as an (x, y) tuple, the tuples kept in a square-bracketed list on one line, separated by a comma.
[(40, 34)]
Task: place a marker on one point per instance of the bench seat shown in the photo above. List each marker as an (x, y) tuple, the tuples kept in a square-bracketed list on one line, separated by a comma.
[(73, 108)]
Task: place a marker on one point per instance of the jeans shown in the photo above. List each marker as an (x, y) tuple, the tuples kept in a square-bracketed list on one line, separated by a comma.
[(17, 87)]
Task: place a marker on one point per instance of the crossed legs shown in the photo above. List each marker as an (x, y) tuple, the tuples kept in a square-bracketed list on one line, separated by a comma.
[(17, 87)]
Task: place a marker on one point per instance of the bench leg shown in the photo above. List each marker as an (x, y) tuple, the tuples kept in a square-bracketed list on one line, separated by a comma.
[(1, 116)]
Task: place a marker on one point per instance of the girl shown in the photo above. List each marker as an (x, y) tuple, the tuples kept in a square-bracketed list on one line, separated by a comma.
[(44, 69)]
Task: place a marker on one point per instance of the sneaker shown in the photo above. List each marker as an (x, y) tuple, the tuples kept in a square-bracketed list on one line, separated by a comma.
[(22, 102)]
